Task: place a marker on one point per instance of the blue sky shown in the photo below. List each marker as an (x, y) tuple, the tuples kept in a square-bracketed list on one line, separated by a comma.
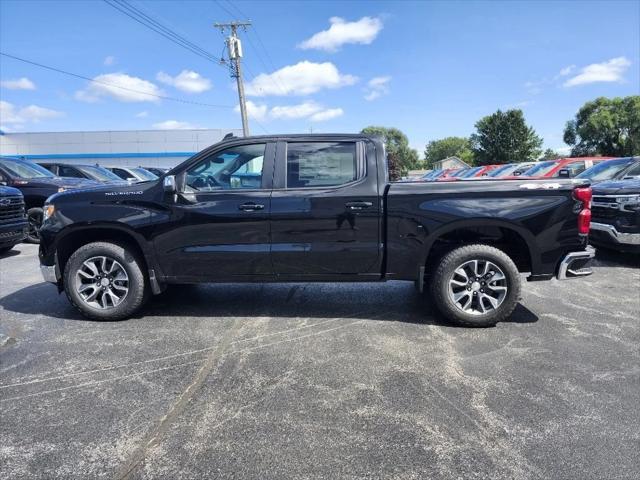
[(431, 69)]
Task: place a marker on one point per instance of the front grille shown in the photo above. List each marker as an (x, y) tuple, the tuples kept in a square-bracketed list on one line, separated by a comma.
[(13, 211), (11, 234), (604, 212)]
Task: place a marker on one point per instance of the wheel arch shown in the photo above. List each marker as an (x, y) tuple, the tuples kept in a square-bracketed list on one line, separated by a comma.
[(72, 238), (515, 241)]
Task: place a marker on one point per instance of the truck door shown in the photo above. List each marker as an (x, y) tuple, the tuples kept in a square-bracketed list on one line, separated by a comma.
[(219, 227), (325, 211)]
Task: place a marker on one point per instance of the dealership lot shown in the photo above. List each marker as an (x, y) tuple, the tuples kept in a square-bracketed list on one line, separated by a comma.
[(321, 380)]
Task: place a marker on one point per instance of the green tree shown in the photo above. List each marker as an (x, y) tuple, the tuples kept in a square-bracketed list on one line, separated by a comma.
[(398, 149), (606, 126), (448, 147), (504, 137), (550, 154)]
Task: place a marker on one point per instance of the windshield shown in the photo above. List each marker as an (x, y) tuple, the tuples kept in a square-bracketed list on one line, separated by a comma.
[(25, 170), (605, 170), (459, 172), (471, 172), (504, 169), (431, 174), (144, 174), (539, 169), (99, 173)]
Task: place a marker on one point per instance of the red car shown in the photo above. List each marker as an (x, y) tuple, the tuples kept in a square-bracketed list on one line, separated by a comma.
[(563, 167)]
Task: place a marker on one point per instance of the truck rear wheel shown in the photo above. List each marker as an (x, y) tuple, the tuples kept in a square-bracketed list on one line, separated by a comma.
[(105, 281), (476, 286)]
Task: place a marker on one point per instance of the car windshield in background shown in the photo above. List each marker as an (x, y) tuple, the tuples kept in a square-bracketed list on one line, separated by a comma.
[(25, 170), (458, 173), (144, 174), (605, 170), (99, 173), (431, 174), (470, 173), (505, 169), (539, 169)]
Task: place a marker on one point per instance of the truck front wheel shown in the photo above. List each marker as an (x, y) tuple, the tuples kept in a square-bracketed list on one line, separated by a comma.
[(105, 281), (34, 217), (476, 286)]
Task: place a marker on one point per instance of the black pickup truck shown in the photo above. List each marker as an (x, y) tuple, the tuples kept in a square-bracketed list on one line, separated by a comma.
[(308, 208)]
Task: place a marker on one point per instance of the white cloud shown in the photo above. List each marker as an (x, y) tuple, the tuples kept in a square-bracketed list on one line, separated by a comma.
[(174, 125), (609, 71), (259, 112), (311, 110), (341, 32), (187, 81), (303, 78), (301, 110), (567, 70), (325, 115), (119, 86), (376, 87), (110, 60), (18, 84), (142, 114), (10, 114)]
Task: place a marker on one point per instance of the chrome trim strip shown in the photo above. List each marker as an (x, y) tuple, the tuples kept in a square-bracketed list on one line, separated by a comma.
[(615, 235), (565, 265)]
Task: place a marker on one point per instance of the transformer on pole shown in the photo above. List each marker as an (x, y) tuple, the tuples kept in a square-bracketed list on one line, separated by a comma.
[(234, 49)]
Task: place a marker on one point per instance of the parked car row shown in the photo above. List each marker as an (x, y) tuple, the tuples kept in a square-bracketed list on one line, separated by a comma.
[(35, 182), (560, 168)]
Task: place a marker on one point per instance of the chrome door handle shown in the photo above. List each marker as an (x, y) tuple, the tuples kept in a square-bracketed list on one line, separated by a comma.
[(358, 205), (250, 207)]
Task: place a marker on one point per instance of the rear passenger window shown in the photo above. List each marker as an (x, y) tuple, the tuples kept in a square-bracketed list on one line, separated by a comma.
[(69, 172), (320, 164), (634, 171)]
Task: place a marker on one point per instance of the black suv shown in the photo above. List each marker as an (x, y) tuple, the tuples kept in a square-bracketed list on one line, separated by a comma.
[(13, 221), (616, 213), (90, 172), (36, 184)]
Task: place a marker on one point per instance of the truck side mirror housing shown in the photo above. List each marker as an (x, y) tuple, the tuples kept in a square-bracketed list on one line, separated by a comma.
[(564, 173), (169, 184)]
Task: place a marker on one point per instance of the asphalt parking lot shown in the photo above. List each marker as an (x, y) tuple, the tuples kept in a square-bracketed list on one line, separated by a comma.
[(321, 381)]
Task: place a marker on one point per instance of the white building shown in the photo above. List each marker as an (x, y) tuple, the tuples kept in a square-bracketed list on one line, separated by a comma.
[(147, 148), (450, 162)]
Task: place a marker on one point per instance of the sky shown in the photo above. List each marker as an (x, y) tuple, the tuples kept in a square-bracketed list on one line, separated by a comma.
[(431, 69)]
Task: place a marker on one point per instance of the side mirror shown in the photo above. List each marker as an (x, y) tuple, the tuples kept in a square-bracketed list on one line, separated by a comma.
[(564, 173), (169, 184)]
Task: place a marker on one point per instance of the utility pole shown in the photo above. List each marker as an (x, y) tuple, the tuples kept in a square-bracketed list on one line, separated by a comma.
[(234, 47)]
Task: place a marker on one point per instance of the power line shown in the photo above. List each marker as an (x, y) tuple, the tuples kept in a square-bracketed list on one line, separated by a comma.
[(100, 82), (149, 22)]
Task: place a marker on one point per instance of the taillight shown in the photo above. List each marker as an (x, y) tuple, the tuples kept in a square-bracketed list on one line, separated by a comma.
[(584, 222), (584, 217), (584, 195)]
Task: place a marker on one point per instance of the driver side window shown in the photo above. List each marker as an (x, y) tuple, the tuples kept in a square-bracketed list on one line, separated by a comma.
[(238, 167)]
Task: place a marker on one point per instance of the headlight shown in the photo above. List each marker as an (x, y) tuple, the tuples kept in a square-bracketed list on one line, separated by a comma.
[(48, 211), (61, 189), (630, 203)]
